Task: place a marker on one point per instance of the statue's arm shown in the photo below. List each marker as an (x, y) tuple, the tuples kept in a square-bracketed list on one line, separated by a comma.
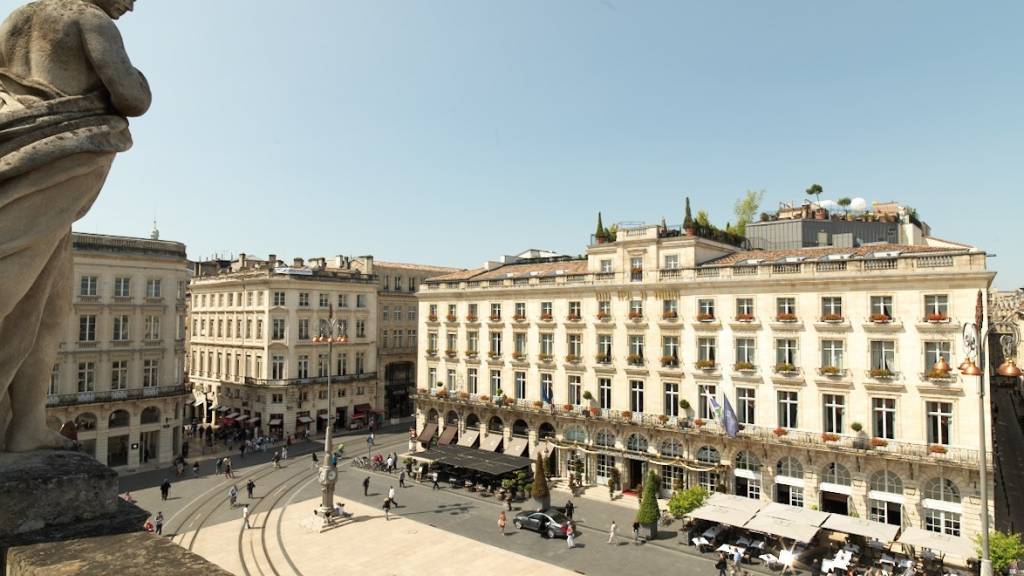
[(129, 90)]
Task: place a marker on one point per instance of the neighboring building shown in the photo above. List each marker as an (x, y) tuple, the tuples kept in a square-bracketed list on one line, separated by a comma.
[(120, 367), (1006, 313), (253, 358), (396, 339), (618, 359), (797, 227)]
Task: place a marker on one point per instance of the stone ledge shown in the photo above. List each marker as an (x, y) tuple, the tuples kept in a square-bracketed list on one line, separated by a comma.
[(150, 554)]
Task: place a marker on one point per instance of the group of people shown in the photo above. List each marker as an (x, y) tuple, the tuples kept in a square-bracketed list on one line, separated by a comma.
[(224, 464)]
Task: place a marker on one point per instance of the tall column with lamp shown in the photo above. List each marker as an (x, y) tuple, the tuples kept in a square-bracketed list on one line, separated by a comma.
[(329, 464), (976, 363)]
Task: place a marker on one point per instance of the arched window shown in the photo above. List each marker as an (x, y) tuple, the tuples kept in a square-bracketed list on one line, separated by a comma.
[(119, 419), (708, 455), (495, 425), (151, 415), (671, 449), (472, 421), (942, 489), (636, 443), (747, 461), (85, 421), (520, 428), (546, 430), (451, 418), (605, 439), (432, 415), (836, 473), (790, 467), (575, 434), (886, 481)]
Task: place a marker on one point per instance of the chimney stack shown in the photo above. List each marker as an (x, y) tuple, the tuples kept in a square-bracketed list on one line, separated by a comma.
[(272, 260), (297, 263)]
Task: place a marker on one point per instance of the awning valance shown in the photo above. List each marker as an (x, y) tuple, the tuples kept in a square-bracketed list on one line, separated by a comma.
[(275, 422), (233, 415), (254, 420), (491, 442), (794, 514), (242, 418), (448, 434), (429, 429), (223, 408), (199, 402), (491, 463), (784, 528), (720, 515), (516, 446), (468, 438), (861, 527), (304, 419), (944, 543)]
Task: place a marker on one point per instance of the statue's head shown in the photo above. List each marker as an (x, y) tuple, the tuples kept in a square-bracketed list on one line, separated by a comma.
[(115, 8)]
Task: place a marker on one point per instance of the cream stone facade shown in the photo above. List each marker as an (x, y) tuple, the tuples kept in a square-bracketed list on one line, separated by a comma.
[(826, 355), (252, 355), (119, 374)]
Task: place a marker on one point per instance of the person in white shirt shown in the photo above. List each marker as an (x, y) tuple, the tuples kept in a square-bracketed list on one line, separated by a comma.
[(391, 496), (245, 517)]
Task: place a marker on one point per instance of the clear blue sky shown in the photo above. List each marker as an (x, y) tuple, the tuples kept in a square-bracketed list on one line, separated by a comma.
[(450, 132)]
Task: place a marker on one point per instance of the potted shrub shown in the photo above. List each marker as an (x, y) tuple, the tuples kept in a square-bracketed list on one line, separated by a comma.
[(544, 357), (829, 437), (546, 317), (485, 398), (576, 317), (519, 318), (538, 404), (684, 404), (539, 490), (832, 318), (745, 366), (421, 390), (699, 422), (879, 442), (494, 355), (450, 317), (705, 317), (881, 373), (595, 411), (669, 315), (602, 358), (786, 317), (463, 395), (785, 368), (663, 418), (510, 401), (572, 358), (856, 426), (471, 353), (635, 315), (830, 370), (880, 319), (567, 407), (669, 360), (937, 317), (517, 355), (635, 359), (470, 317), (779, 432), (649, 514), (432, 351), (614, 477), (744, 317), (432, 317), (934, 374), (442, 393), (495, 317), (626, 415), (937, 449), (705, 364), (603, 315), (687, 500), (587, 395), (450, 353)]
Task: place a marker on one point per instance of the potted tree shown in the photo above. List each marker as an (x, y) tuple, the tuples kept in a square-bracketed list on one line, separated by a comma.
[(648, 514), (861, 441), (600, 236), (819, 212), (613, 482), (684, 419), (539, 491), (688, 224)]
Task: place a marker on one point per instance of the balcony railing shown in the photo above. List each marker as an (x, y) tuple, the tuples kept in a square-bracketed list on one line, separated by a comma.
[(308, 381), (114, 395)]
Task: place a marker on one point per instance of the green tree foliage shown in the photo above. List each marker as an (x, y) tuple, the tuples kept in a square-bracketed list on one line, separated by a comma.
[(600, 234), (1004, 548), (745, 209), (685, 501), (611, 232), (688, 219), (540, 480), (815, 190), (648, 513), (845, 203), (702, 219)]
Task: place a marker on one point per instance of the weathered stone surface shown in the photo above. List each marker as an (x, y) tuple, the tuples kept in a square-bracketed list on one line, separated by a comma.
[(52, 488), (123, 554)]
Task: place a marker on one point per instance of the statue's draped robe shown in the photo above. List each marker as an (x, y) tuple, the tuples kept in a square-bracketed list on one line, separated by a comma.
[(55, 152)]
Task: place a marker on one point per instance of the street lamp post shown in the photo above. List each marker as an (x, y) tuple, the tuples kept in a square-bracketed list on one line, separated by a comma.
[(329, 464), (976, 345)]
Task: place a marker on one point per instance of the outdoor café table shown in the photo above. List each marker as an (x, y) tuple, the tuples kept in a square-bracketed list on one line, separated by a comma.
[(886, 559), (769, 559), (710, 533), (700, 542), (876, 544), (731, 550), (743, 542)]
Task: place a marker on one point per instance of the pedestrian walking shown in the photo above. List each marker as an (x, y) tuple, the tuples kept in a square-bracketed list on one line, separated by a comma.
[(249, 487), (721, 564), (195, 469), (241, 451), (508, 501), (387, 464), (219, 464), (277, 459), (401, 479), (245, 517), (233, 495), (366, 486), (570, 535), (636, 532), (227, 467), (284, 451), (569, 509), (387, 509), (391, 495), (165, 489), (433, 477), (501, 522), (315, 461), (159, 523), (611, 532)]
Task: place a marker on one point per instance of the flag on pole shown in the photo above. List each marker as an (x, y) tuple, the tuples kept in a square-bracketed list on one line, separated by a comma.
[(729, 420), (545, 393), (715, 407)]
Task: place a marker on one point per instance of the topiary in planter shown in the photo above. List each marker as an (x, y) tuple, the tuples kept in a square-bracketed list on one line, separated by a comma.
[(648, 514), (540, 491)]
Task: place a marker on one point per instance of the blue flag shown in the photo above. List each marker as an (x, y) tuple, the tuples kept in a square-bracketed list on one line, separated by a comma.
[(729, 420), (545, 393), (715, 408)]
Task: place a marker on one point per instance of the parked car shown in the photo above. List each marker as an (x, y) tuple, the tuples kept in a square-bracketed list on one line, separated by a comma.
[(550, 523)]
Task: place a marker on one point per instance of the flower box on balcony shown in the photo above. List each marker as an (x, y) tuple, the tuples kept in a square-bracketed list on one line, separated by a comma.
[(744, 366), (662, 418), (832, 318), (879, 442), (509, 401), (450, 318), (519, 318), (635, 315), (421, 390), (939, 375), (636, 270), (603, 315), (494, 355), (881, 373), (463, 395), (706, 364), (669, 361), (626, 415), (572, 358), (669, 315), (577, 318), (442, 393), (699, 422), (937, 317), (830, 371), (567, 407), (705, 317), (785, 368), (471, 353), (744, 317), (829, 437), (595, 411), (431, 352), (432, 318), (484, 398), (546, 317), (880, 318), (937, 449), (635, 359), (517, 355), (471, 318), (779, 432), (495, 317), (786, 317), (544, 358), (538, 404), (602, 358)]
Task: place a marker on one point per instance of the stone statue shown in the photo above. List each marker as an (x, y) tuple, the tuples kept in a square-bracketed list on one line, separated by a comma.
[(66, 88)]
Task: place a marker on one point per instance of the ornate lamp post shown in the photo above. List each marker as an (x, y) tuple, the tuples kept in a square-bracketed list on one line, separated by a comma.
[(328, 464), (976, 345)]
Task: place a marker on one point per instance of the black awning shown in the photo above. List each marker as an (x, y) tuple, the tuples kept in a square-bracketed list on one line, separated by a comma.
[(491, 463), (429, 429), (448, 434)]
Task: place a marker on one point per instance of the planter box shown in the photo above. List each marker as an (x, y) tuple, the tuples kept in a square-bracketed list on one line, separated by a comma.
[(649, 531)]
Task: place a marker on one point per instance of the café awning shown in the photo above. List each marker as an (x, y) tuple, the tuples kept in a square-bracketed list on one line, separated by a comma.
[(275, 422), (937, 542), (448, 434), (861, 527), (516, 446), (720, 515), (429, 429), (233, 415), (199, 402), (254, 420), (242, 418), (468, 438), (491, 463), (785, 528), (361, 410), (304, 419), (491, 442), (223, 408), (794, 514)]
